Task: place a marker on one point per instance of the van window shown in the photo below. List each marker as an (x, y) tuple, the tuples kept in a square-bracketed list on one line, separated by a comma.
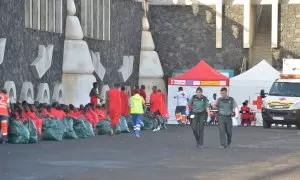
[(285, 89)]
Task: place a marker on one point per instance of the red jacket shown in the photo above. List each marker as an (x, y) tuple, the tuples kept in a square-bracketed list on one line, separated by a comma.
[(245, 112), (157, 104), (143, 94), (124, 104), (101, 114)]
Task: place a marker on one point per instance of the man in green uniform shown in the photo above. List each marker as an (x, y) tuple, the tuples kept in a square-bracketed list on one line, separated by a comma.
[(199, 114), (226, 106)]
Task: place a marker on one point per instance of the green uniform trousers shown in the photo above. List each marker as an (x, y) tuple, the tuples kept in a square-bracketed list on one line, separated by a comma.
[(198, 123), (225, 129)]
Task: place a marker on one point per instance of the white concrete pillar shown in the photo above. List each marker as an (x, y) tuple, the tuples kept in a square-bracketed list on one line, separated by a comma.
[(89, 18), (44, 15), (219, 18), (247, 16), (84, 12), (59, 16), (106, 19), (36, 14), (51, 18), (99, 19), (28, 13), (274, 36)]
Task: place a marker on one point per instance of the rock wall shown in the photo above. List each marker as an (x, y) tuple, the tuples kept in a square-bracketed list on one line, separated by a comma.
[(22, 45), (182, 39), (126, 30), (289, 33)]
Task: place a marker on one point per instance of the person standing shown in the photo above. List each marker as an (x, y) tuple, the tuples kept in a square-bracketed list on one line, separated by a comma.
[(155, 105), (143, 92), (182, 102), (124, 102), (245, 114), (201, 112), (226, 106), (4, 108), (137, 104), (114, 107), (213, 100), (94, 95)]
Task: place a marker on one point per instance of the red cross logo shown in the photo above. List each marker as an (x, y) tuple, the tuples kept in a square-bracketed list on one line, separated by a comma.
[(258, 102)]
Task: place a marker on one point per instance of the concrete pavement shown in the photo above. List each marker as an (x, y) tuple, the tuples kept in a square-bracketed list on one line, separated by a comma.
[(255, 154)]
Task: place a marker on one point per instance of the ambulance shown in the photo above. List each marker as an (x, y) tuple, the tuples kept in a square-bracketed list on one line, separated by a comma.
[(282, 104)]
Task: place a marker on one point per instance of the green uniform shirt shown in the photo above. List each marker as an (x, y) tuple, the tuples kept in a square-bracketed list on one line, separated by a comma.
[(226, 105), (199, 104)]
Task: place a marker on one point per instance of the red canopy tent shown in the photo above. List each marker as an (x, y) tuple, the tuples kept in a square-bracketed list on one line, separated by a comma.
[(200, 75)]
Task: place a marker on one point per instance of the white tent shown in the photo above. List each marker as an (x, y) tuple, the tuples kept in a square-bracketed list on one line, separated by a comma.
[(247, 85)]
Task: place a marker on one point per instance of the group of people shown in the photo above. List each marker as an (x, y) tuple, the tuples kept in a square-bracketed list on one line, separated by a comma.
[(119, 104), (200, 112)]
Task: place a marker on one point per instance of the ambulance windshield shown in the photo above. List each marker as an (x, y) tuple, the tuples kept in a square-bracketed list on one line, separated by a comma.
[(285, 89)]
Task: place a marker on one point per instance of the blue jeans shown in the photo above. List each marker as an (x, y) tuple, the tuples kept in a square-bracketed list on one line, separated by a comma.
[(136, 120)]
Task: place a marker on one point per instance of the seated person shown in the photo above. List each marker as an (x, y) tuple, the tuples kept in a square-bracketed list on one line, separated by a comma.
[(60, 112), (89, 116), (245, 114), (100, 113)]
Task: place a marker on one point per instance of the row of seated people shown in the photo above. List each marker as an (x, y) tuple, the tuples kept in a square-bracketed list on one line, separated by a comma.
[(39, 112)]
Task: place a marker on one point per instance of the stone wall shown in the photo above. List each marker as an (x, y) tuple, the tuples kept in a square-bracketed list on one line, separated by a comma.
[(22, 47), (183, 39), (126, 30), (22, 44), (289, 34)]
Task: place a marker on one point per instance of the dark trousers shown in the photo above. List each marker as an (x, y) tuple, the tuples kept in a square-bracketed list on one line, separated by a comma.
[(156, 120), (246, 121), (225, 128), (198, 123)]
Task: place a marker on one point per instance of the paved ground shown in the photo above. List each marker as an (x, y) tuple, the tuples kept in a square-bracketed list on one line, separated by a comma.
[(256, 154)]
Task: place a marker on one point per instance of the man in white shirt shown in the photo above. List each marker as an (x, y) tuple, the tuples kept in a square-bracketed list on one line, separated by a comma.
[(182, 102), (213, 100)]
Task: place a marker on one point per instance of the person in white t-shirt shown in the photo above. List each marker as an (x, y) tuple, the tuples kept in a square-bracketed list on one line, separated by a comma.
[(213, 100), (182, 102)]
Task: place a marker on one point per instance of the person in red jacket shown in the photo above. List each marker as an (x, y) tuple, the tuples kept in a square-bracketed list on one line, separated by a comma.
[(124, 102), (143, 92), (93, 115), (114, 106), (73, 113), (134, 89), (30, 113), (245, 114), (101, 113), (4, 114), (156, 107), (94, 95), (56, 112), (60, 113), (163, 96)]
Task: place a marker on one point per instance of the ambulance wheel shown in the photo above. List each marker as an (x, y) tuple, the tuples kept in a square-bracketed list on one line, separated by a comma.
[(298, 126), (266, 124)]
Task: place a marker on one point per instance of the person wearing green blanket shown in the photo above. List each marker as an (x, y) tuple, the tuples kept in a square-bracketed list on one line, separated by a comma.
[(200, 113)]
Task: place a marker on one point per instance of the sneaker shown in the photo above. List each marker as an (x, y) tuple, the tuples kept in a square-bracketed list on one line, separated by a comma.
[(199, 146), (222, 147), (154, 130), (111, 132), (158, 128), (137, 136)]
